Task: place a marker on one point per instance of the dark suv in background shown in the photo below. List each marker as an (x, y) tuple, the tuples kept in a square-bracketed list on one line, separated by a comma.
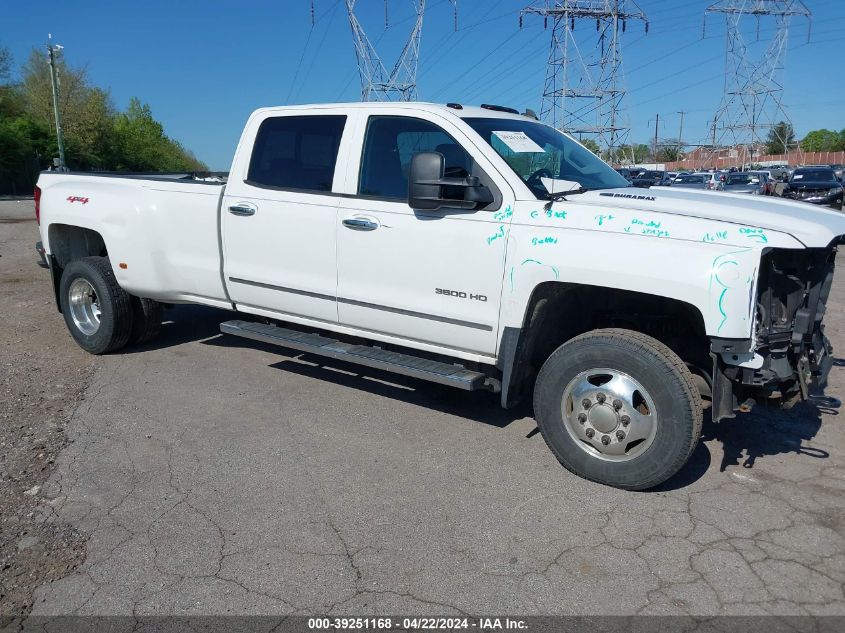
[(816, 185), (649, 178)]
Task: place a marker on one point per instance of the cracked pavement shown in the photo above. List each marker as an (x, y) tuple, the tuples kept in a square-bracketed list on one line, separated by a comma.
[(213, 475)]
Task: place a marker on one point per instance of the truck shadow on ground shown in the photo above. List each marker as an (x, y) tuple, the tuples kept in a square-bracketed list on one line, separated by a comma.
[(479, 406), (190, 323), (751, 436), (744, 439)]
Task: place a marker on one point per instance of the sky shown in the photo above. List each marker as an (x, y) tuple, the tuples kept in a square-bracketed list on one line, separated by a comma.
[(204, 65)]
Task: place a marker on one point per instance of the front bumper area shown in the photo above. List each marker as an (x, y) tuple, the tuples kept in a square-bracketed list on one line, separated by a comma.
[(823, 199), (792, 357)]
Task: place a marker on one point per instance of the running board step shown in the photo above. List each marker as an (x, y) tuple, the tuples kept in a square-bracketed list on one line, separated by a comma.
[(423, 368)]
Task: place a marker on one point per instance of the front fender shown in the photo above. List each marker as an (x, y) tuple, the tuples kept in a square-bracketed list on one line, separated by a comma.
[(701, 263)]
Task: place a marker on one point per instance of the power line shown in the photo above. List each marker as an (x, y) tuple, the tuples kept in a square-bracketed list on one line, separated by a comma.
[(305, 47), (377, 84), (753, 92), (592, 74), (319, 46)]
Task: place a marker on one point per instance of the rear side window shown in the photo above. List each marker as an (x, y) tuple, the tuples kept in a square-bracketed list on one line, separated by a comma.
[(296, 152), (390, 144)]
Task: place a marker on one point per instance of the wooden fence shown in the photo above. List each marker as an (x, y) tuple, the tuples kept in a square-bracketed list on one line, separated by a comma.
[(793, 159)]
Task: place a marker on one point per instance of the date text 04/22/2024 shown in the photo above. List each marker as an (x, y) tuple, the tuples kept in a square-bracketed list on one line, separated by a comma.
[(418, 624)]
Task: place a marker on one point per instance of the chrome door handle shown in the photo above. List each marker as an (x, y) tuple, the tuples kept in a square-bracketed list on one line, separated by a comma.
[(239, 209), (360, 224)]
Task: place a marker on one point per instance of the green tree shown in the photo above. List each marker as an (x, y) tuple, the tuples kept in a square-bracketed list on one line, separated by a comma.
[(781, 138), (141, 145), (592, 145), (5, 64), (822, 141), (668, 151), (87, 112), (25, 146), (628, 154)]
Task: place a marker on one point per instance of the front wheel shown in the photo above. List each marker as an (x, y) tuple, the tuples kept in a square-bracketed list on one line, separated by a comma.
[(97, 311), (618, 407)]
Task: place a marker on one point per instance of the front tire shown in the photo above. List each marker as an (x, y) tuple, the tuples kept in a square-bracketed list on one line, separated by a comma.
[(618, 407), (97, 311)]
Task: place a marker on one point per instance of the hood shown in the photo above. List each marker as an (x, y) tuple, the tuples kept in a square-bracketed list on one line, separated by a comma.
[(812, 226)]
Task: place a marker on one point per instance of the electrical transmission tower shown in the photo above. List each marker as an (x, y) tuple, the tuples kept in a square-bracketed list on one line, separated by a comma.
[(400, 84), (584, 85), (752, 105)]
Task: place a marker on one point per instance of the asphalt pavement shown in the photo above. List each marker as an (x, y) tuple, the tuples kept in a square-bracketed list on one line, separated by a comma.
[(210, 474)]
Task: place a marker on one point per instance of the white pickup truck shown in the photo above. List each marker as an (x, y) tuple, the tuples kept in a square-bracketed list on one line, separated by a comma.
[(475, 247)]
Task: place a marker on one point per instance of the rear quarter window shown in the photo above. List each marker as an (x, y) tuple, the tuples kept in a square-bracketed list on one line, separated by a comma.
[(296, 152)]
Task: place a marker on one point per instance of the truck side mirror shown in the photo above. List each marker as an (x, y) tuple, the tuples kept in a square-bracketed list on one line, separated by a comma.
[(428, 187)]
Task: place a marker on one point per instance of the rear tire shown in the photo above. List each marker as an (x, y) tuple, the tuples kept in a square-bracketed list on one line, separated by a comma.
[(618, 407), (147, 317), (97, 311)]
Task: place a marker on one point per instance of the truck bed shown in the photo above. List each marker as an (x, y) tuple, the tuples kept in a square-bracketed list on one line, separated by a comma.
[(163, 228)]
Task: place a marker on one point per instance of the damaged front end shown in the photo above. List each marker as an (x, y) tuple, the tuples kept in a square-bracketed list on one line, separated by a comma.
[(790, 355)]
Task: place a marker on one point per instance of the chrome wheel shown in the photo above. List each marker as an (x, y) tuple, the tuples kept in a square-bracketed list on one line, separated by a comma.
[(609, 414), (84, 306)]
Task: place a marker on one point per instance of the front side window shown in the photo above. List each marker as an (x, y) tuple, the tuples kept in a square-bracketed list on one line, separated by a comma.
[(389, 146), (535, 151), (296, 152)]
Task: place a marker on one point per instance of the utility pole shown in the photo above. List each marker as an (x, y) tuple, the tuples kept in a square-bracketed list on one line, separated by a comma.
[(656, 124), (681, 134), (54, 51)]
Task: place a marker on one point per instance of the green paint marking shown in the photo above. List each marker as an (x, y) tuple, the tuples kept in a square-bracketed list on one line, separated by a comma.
[(500, 232), (503, 215), (722, 311), (539, 263)]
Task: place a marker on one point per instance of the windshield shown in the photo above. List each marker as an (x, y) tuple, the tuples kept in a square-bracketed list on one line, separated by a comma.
[(742, 179), (536, 151), (690, 179), (817, 175)]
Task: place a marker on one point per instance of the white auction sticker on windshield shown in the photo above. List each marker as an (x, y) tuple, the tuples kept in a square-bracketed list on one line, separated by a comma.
[(518, 142)]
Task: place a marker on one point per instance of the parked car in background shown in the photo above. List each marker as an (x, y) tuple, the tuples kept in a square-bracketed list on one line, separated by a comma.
[(746, 182), (649, 178), (816, 185), (668, 179), (625, 173), (779, 172), (771, 181), (715, 180), (767, 182), (691, 181)]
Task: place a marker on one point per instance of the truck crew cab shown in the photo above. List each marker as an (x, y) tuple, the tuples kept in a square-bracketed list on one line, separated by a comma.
[(471, 246)]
